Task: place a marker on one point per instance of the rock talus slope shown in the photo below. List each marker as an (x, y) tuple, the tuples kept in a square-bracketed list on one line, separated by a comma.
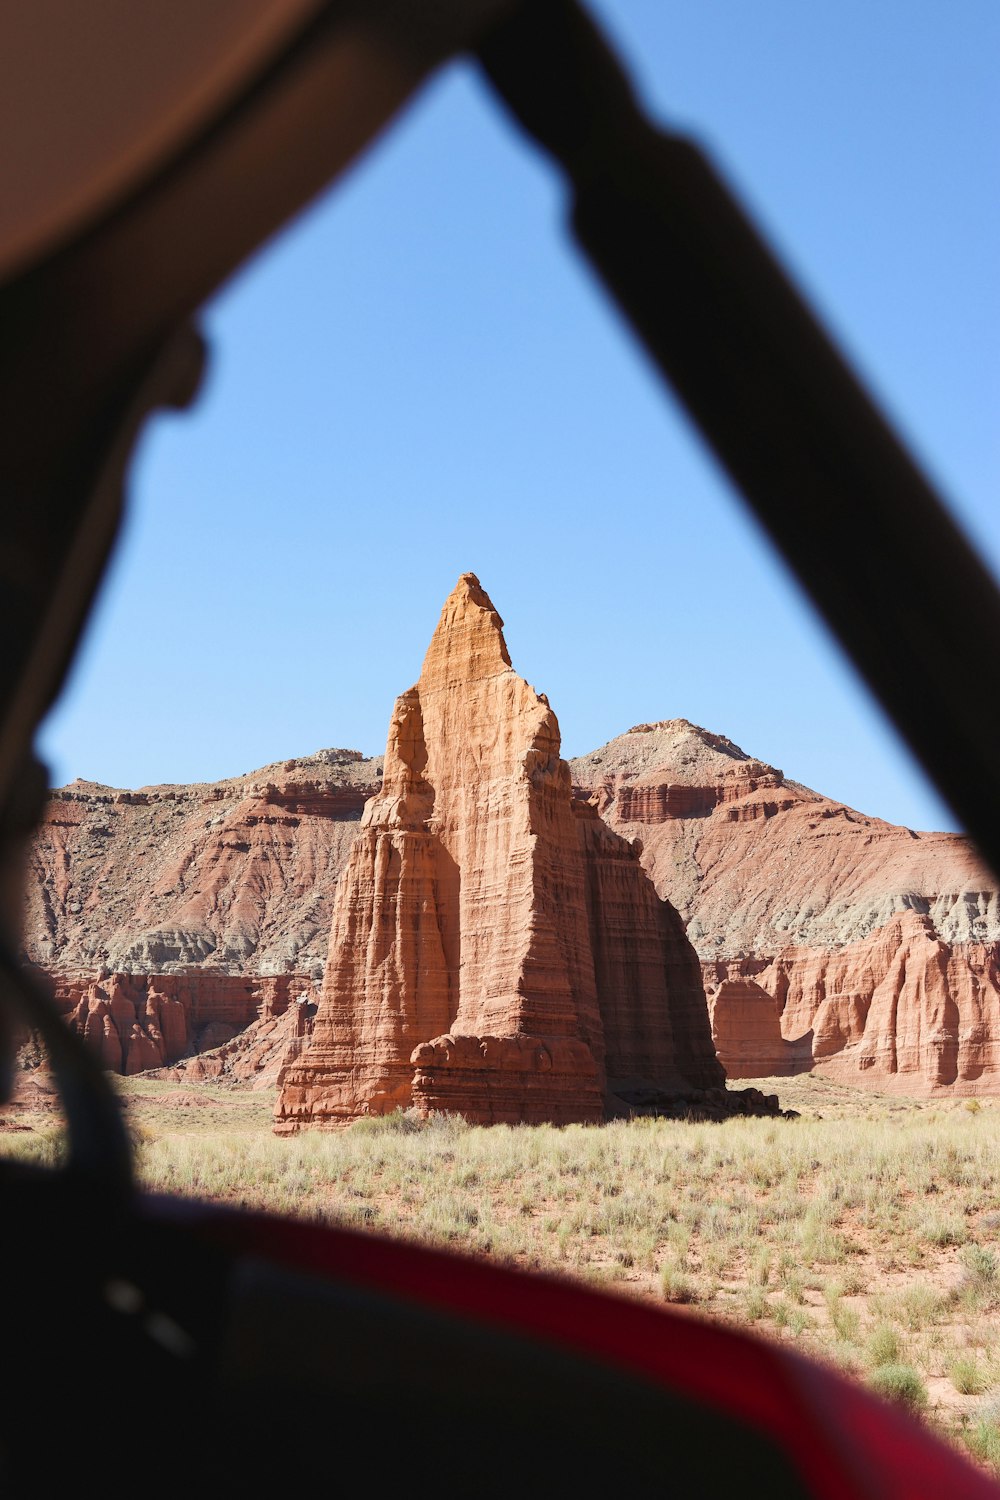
[(493, 949), (828, 938)]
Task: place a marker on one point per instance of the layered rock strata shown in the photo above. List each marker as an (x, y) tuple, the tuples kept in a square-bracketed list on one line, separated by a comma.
[(172, 917), (237, 875), (135, 1022), (901, 1011), (494, 950), (255, 1055), (829, 939)]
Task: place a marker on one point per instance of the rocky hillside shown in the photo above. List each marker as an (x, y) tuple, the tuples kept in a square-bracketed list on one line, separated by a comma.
[(828, 937), (755, 862), (236, 874)]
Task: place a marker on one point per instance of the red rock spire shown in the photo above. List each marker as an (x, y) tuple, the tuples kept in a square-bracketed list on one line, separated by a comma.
[(490, 949)]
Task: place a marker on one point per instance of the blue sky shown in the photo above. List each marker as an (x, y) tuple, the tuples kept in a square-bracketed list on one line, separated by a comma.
[(420, 376)]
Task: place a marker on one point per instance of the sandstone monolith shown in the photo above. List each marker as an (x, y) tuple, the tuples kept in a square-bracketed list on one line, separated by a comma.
[(495, 949)]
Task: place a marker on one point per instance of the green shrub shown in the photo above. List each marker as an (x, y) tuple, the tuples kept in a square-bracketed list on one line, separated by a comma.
[(980, 1267), (440, 1122), (846, 1320), (884, 1346), (918, 1306), (900, 1383), (399, 1122), (946, 1232), (979, 1288), (756, 1306), (760, 1270), (983, 1442), (966, 1376), (799, 1322), (675, 1286)]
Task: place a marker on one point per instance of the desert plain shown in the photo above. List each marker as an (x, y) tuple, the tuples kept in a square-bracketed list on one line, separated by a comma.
[(866, 1231)]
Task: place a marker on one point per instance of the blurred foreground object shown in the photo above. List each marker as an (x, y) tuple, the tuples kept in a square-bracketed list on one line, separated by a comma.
[(152, 149)]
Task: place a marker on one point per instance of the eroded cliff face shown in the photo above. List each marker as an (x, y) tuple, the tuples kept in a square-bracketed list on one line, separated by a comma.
[(492, 951), (171, 918), (136, 1022), (746, 1028), (237, 875), (828, 938), (901, 1011)]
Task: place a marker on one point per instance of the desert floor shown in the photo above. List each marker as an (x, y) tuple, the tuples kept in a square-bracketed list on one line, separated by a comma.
[(867, 1231)]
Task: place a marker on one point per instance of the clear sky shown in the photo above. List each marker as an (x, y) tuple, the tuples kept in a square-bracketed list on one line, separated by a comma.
[(421, 377)]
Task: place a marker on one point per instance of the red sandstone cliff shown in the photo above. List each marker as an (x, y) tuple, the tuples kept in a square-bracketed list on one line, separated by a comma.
[(796, 905), (493, 950), (136, 1022), (171, 917), (829, 939)]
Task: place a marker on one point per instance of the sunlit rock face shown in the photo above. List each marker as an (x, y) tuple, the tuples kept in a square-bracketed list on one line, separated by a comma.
[(900, 1011), (495, 948), (170, 917)]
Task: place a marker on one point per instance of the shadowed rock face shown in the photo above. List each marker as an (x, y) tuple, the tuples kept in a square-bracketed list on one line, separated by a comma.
[(746, 1027), (494, 949)]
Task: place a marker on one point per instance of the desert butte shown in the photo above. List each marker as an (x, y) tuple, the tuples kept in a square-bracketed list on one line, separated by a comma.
[(196, 927)]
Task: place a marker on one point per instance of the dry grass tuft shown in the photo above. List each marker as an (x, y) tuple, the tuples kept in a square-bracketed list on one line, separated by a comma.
[(866, 1231)]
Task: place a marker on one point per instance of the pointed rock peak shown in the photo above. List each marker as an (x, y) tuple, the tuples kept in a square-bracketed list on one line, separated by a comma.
[(468, 587), (468, 642)]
